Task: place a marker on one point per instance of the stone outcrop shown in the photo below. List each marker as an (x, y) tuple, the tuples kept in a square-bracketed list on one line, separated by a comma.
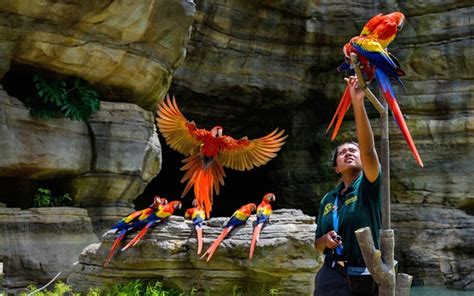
[(36, 244), (107, 161), (128, 49), (435, 242), (284, 258)]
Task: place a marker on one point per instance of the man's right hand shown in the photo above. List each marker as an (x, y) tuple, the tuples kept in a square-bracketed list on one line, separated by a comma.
[(331, 241)]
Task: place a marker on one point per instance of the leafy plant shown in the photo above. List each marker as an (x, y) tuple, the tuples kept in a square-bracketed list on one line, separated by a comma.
[(75, 100), (44, 198)]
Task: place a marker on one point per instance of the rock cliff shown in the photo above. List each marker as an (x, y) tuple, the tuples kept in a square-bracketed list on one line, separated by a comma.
[(284, 258)]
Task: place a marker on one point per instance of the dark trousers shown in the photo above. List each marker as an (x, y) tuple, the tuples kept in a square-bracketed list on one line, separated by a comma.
[(331, 282)]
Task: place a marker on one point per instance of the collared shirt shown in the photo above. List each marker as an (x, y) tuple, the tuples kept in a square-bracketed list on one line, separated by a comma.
[(359, 206)]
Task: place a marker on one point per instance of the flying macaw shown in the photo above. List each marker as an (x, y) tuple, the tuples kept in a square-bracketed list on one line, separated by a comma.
[(264, 210), (197, 215), (160, 215), (385, 68), (131, 222), (238, 218), (209, 151), (382, 28)]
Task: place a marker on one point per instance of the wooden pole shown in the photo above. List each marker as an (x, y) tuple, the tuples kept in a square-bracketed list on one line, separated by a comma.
[(381, 262)]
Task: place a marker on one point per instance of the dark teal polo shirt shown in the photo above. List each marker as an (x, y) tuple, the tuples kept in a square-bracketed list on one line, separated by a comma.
[(359, 206)]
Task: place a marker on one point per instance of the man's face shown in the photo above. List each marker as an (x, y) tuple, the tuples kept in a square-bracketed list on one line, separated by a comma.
[(348, 158)]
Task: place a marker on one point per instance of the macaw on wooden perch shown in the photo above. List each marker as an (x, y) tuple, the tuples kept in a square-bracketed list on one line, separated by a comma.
[(377, 62), (264, 210), (160, 215), (133, 221), (239, 217), (197, 215), (207, 152)]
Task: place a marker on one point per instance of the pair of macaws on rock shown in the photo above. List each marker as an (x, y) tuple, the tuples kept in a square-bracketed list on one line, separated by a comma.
[(159, 211), (240, 217), (376, 62)]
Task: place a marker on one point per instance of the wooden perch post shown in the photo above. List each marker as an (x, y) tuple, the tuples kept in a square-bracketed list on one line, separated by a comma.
[(381, 262)]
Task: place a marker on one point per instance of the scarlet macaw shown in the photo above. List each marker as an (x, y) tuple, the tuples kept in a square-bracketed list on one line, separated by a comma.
[(131, 222), (238, 218), (264, 210), (208, 151), (385, 68), (197, 215), (160, 215), (382, 28)]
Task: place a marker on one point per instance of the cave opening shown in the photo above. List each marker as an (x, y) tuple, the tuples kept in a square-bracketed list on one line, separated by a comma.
[(238, 120)]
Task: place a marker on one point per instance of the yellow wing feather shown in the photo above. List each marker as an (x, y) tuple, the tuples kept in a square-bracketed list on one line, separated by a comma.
[(179, 133), (245, 154)]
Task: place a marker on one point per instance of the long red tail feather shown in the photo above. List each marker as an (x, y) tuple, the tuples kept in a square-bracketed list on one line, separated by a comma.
[(205, 180), (212, 249), (397, 114), (116, 243), (341, 110), (138, 237), (199, 239), (255, 236)]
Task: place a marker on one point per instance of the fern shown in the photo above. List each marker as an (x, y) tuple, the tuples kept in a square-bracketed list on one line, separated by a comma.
[(77, 101)]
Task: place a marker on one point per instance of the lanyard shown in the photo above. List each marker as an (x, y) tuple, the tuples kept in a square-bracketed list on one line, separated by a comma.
[(335, 222)]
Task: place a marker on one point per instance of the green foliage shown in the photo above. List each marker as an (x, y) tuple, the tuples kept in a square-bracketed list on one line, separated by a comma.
[(59, 98), (132, 288), (44, 198), (59, 289), (139, 287)]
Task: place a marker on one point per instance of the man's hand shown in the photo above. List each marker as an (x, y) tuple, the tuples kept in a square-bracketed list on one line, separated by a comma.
[(331, 239), (357, 94)]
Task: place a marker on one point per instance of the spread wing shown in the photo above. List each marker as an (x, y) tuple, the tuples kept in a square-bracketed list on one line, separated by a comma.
[(245, 154), (182, 135)]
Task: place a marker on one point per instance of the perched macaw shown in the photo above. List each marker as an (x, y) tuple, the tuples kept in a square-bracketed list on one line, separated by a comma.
[(238, 218), (385, 68), (264, 210), (368, 71), (131, 222), (208, 151), (197, 215), (384, 28), (160, 215)]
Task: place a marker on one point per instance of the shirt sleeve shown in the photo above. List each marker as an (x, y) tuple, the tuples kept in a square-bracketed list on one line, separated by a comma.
[(319, 231), (372, 190)]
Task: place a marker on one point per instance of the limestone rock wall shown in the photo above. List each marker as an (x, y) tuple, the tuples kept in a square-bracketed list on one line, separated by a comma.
[(284, 258), (107, 161), (129, 49), (36, 244)]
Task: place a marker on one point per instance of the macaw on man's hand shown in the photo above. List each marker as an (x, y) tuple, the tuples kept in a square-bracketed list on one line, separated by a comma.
[(386, 68)]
